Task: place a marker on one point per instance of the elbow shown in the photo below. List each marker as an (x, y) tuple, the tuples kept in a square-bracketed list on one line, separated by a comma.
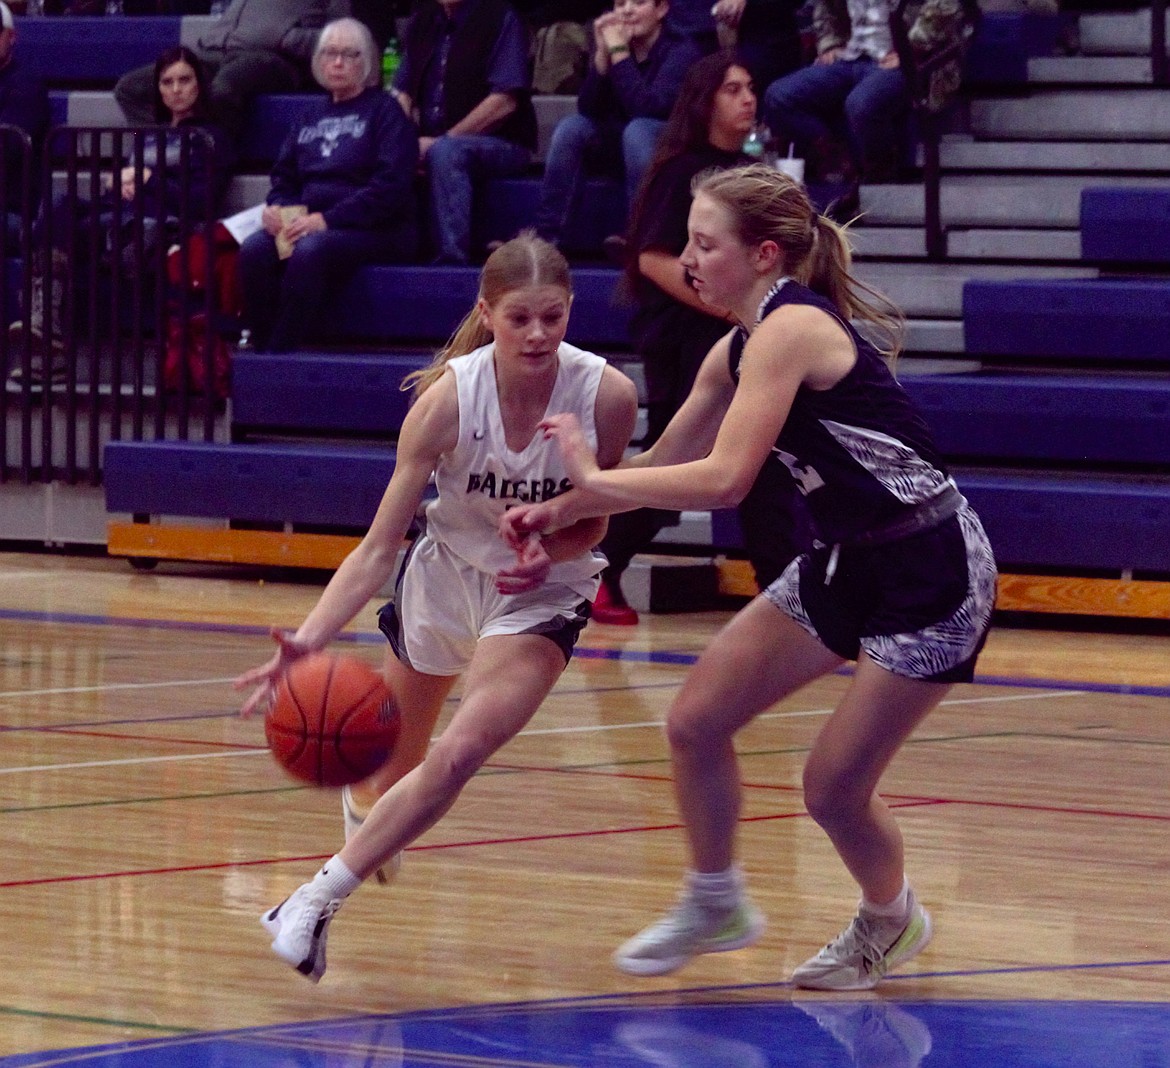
[(731, 491)]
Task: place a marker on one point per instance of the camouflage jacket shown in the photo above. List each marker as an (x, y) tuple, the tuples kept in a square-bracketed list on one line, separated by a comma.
[(938, 33)]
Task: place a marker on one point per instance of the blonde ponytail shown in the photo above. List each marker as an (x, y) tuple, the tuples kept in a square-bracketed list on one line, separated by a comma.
[(767, 205)]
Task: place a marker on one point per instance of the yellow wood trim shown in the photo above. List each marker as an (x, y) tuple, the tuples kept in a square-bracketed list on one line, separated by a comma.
[(1026, 593), (272, 547)]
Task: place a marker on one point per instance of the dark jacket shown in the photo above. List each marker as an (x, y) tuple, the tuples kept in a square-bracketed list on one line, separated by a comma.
[(354, 162), (470, 55), (209, 165), (633, 90)]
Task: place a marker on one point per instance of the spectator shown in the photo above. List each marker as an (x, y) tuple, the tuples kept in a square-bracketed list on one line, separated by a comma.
[(165, 184), (255, 46), (24, 103), (855, 91), (351, 164), (473, 127), (671, 328), (766, 35), (632, 81)]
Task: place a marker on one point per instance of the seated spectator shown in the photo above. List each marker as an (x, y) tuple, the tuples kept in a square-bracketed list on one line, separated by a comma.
[(475, 125), (766, 35), (165, 184), (255, 46), (671, 328), (350, 166), (855, 91), (634, 76), (24, 103)]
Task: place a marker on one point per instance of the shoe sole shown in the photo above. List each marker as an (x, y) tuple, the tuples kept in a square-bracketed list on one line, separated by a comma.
[(646, 966), (919, 940)]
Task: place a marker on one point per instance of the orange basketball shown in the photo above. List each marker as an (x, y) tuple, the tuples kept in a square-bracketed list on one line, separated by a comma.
[(333, 722)]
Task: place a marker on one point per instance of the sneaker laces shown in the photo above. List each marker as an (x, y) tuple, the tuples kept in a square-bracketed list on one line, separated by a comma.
[(859, 937), (309, 919)]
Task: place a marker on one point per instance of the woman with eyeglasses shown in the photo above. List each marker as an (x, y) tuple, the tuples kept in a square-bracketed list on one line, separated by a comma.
[(342, 194)]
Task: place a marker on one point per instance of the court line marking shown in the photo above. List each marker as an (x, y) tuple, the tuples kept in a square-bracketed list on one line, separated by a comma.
[(588, 728), (585, 653)]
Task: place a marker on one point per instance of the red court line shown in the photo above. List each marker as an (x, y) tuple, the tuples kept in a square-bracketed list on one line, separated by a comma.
[(316, 858)]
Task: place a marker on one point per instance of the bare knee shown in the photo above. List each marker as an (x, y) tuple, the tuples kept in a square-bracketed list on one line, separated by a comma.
[(453, 761), (690, 732), (833, 797)]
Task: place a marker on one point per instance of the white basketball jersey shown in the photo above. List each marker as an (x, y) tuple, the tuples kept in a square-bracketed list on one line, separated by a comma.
[(481, 477)]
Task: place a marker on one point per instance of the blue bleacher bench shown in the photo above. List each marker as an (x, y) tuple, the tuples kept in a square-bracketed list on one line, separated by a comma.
[(321, 393), (1125, 225), (408, 304), (327, 485), (1121, 320), (1003, 44), (1015, 418), (94, 49)]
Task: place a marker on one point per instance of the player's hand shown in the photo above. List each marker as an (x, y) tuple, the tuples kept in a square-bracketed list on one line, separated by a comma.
[(518, 524), (531, 571), (265, 678), (575, 450)]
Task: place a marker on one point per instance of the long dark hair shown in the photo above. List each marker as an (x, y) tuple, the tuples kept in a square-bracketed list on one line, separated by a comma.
[(180, 54), (688, 129)]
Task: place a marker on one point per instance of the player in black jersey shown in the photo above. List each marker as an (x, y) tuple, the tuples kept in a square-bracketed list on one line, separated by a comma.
[(901, 577)]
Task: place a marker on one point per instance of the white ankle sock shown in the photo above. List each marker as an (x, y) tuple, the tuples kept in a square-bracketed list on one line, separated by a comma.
[(897, 909), (723, 889), (336, 877)]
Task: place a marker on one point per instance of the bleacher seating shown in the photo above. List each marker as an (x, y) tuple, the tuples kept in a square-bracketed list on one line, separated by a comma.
[(1117, 321), (1057, 432), (1126, 226)]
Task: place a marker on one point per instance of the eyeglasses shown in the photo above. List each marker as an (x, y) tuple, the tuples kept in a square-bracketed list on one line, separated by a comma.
[(350, 55)]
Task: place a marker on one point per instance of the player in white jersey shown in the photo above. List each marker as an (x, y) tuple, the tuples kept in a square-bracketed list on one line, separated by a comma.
[(467, 604)]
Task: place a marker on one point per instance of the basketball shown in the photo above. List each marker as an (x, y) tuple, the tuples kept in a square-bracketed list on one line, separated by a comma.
[(333, 721)]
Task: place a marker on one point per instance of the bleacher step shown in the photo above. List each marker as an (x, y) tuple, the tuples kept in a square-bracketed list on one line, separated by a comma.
[(1012, 201), (1062, 115), (1090, 70), (963, 153), (1119, 33), (1015, 244)]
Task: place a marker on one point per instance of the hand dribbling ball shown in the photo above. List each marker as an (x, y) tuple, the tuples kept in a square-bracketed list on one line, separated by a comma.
[(333, 721)]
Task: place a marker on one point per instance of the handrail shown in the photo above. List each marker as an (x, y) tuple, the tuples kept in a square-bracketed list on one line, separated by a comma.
[(917, 73)]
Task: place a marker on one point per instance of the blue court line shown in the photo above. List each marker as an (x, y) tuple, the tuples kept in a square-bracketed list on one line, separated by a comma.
[(629, 655)]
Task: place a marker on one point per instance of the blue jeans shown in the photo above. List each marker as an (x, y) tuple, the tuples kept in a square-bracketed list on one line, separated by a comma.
[(575, 141), (455, 164), (283, 299), (855, 99)]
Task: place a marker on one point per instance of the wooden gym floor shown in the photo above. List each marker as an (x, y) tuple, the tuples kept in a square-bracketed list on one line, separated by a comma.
[(144, 828)]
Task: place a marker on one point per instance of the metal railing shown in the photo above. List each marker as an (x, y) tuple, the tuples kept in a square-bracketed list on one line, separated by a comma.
[(91, 368), (917, 71)]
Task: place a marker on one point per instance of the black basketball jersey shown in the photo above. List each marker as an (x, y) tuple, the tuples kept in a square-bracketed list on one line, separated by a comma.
[(859, 452)]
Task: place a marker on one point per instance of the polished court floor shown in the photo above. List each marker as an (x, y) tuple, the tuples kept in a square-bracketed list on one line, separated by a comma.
[(144, 828)]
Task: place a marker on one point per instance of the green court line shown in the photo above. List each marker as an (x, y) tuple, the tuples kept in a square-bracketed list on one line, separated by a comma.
[(150, 800), (138, 1025)]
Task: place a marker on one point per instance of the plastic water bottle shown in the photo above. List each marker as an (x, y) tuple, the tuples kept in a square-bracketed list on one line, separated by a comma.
[(756, 143), (218, 7), (113, 7), (34, 7), (391, 58)]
